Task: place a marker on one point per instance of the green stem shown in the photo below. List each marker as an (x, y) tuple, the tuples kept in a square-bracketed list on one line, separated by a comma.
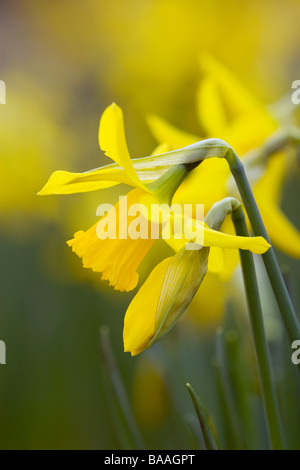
[(262, 352), (226, 389), (281, 293), (209, 440), (119, 389)]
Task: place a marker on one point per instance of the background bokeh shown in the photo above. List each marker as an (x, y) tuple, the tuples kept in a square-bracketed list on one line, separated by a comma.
[(63, 62)]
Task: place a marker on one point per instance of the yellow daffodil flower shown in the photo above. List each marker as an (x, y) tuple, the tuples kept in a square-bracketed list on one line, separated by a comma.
[(118, 259), (227, 110)]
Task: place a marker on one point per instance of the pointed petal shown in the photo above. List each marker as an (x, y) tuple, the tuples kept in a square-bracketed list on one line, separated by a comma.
[(148, 169), (281, 231), (241, 119), (257, 245), (237, 97), (209, 237), (214, 238), (166, 132), (210, 108), (65, 182), (268, 190), (270, 184), (112, 141)]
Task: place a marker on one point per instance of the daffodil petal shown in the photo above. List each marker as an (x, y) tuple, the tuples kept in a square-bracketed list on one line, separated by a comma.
[(210, 108), (237, 97), (257, 245), (281, 231), (215, 238), (270, 184), (65, 182), (208, 236), (268, 190), (148, 169), (112, 141), (163, 131), (237, 116)]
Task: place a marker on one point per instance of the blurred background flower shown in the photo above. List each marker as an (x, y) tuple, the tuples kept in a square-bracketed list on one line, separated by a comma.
[(63, 63)]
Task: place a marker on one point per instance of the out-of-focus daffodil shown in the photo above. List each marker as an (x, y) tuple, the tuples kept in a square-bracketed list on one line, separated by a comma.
[(118, 259), (29, 131), (149, 387), (172, 285), (227, 110), (130, 67), (268, 195)]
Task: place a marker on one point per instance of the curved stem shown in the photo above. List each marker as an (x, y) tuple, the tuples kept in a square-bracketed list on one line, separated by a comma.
[(281, 293)]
